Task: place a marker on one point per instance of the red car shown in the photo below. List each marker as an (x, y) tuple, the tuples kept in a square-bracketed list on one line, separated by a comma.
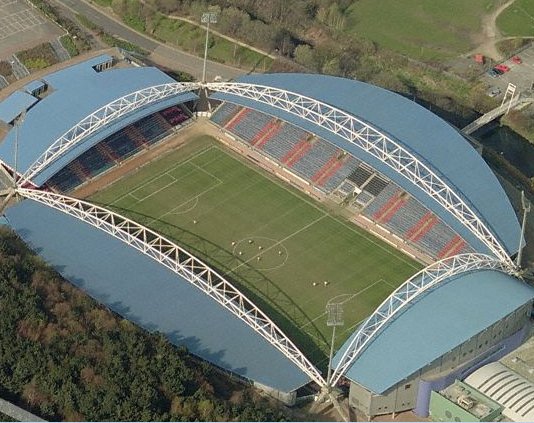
[(502, 68), (517, 60)]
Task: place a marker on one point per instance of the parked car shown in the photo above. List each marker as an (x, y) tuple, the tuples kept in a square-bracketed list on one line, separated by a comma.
[(502, 68), (517, 60), (493, 73)]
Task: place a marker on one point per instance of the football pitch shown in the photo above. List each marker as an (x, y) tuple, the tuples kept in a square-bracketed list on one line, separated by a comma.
[(285, 251)]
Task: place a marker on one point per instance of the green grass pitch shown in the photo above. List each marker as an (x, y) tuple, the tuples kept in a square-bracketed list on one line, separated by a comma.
[(274, 242)]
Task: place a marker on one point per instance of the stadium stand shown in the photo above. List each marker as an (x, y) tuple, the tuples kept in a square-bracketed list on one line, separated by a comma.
[(266, 133), (360, 175), (375, 185), (117, 148), (247, 124), (364, 198), (280, 144), (309, 157), (349, 164), (224, 113), (327, 167), (436, 238)]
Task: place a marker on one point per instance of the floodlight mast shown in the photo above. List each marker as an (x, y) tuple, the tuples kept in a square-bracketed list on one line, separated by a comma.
[(207, 18), (17, 122), (525, 204), (334, 318)]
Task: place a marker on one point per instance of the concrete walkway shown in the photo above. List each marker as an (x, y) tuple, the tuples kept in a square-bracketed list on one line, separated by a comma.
[(17, 413)]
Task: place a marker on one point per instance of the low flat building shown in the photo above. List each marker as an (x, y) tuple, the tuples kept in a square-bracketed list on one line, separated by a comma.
[(462, 403)]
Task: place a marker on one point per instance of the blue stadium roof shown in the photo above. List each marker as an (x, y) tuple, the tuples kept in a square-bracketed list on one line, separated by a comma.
[(74, 93), (15, 104), (149, 294), (427, 136), (440, 320)]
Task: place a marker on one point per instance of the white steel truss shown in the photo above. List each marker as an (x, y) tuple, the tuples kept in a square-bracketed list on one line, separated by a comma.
[(183, 264), (374, 142), (419, 283), (103, 116)]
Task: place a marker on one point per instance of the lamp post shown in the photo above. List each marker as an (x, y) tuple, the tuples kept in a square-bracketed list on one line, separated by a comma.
[(17, 122), (526, 209), (334, 319), (207, 18)]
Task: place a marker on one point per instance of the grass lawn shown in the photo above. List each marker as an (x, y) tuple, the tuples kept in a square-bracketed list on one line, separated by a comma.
[(301, 243), (422, 29), (517, 19)]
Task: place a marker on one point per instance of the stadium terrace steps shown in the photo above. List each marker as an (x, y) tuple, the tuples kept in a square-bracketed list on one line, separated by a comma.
[(93, 161), (349, 164), (115, 149), (400, 200), (297, 152), (360, 175), (326, 167), (417, 231), (153, 128), (250, 125), (314, 159), (329, 169), (241, 114), (65, 180), (283, 141), (385, 213), (453, 247), (266, 133), (79, 170), (174, 115), (375, 185), (407, 217), (224, 113), (161, 121), (135, 135), (106, 152), (435, 239)]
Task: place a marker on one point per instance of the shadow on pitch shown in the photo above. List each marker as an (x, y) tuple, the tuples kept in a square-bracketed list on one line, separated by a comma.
[(266, 294)]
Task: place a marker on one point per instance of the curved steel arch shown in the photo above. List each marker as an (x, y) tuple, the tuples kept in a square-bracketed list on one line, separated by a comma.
[(183, 264), (419, 283), (373, 142), (103, 116)]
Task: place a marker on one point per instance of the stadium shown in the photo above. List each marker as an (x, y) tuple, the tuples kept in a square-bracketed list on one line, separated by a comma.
[(252, 220)]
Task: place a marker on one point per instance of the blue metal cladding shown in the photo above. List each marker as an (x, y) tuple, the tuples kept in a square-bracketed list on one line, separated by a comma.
[(147, 293), (437, 322), (74, 93)]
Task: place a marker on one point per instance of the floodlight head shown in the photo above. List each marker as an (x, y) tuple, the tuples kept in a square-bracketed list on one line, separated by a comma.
[(208, 17), (334, 314), (525, 204)]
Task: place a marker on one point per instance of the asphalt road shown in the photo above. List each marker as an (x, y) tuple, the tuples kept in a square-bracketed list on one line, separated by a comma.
[(161, 53)]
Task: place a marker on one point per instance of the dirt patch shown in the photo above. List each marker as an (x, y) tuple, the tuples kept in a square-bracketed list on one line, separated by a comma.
[(489, 37)]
